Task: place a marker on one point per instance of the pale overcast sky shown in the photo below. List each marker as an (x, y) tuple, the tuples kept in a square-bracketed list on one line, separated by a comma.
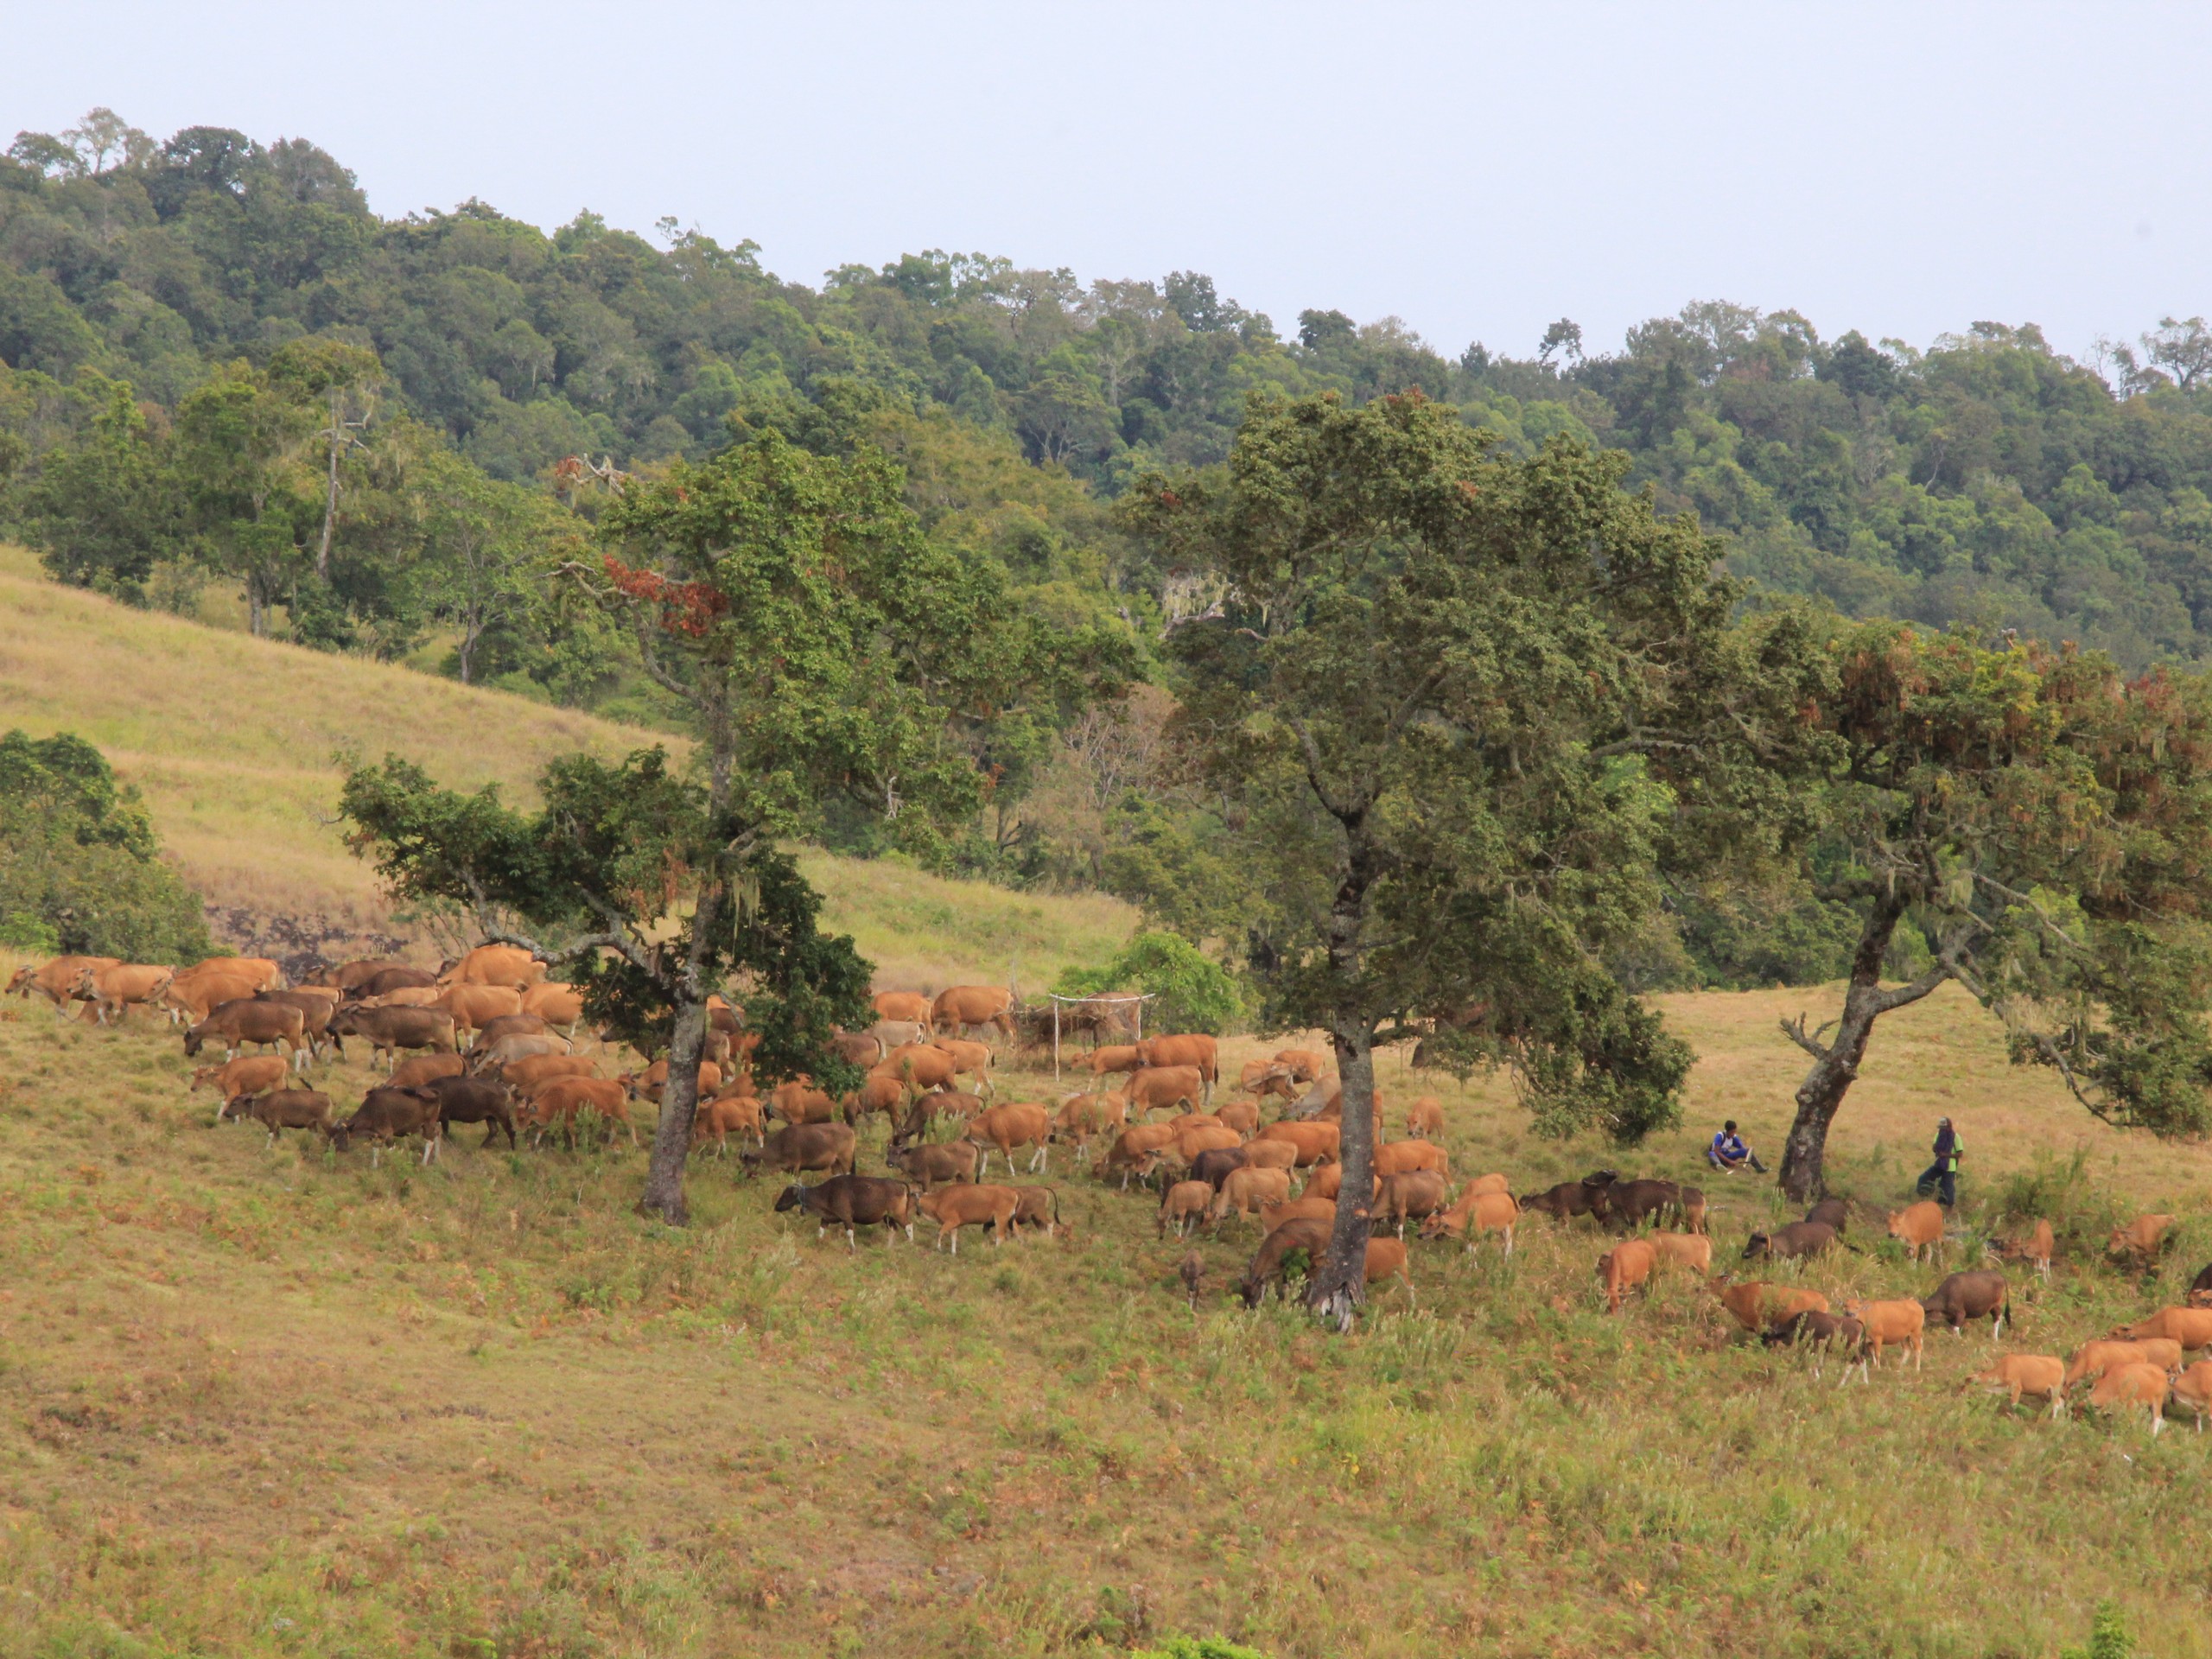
[(1476, 169)]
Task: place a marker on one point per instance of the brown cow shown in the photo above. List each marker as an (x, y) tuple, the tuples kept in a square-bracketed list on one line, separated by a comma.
[(797, 1101), (2036, 1248), (1413, 1195), (527, 1073), (347, 975), (959, 1007), (558, 1100), (2014, 1375), (1192, 1139), (189, 999), (1327, 1180), (1757, 1305), (1081, 1116), (2189, 1326), (420, 1070), (1691, 1250), (472, 1005), (1273, 1215), (257, 971), (876, 1094), (648, 1083), (390, 1030), (1386, 1257), (1136, 1149), (283, 1108), (1246, 1191), (852, 1200), (1241, 1115), (555, 1003), (1919, 1227), (507, 966), (970, 1205), (1473, 1215), (1398, 1157), (1966, 1296), (514, 1024), (1315, 1142), (1304, 1064), (1425, 1117), (1192, 1049), (1157, 1086), (56, 981), (1112, 1056), (2193, 1388), (857, 1048), (2140, 1238), (797, 1147), (2093, 1359), (1624, 1267), (250, 1021), (385, 980), (1264, 1078), (1018, 1123), (250, 1074), (2137, 1384), (934, 1163), (1270, 1154), (1185, 1204), (114, 990), (1900, 1322), (969, 1059), (920, 1067), (713, 1120), (385, 1114), (1491, 1183), (910, 1006)]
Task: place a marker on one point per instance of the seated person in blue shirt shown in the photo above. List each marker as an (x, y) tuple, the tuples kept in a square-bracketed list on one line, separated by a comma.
[(1728, 1151)]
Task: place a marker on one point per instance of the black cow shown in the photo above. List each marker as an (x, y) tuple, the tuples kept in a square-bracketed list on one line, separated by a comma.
[(476, 1100), (386, 1114)]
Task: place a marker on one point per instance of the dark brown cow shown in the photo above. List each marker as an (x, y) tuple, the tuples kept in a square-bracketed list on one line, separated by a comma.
[(250, 1021), (934, 1163), (385, 980), (850, 1201), (1562, 1203), (351, 975), (1964, 1296), (805, 1146), (476, 1100), (390, 1030), (282, 1108), (386, 1114), (1795, 1242), (316, 1014)]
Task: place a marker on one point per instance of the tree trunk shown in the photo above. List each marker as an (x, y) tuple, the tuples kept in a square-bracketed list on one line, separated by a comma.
[(679, 1095), (679, 1102), (330, 501), (1819, 1097), (1339, 1284)]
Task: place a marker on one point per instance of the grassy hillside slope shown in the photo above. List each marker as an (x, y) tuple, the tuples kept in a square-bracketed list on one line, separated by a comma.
[(232, 741), (274, 1402)]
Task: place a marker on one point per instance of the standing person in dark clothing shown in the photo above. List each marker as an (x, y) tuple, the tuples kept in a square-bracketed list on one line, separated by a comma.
[(1944, 1172)]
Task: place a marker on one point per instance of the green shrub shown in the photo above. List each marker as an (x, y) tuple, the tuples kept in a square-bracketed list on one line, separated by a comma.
[(1207, 1647), (1192, 991), (2108, 1638), (79, 869)]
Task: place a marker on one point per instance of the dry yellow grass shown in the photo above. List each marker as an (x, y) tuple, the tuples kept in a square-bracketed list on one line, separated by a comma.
[(233, 740)]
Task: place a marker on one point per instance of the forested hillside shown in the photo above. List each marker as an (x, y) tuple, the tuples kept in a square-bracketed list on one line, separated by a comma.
[(229, 388)]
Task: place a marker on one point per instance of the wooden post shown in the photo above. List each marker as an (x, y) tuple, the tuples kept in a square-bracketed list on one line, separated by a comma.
[(1056, 1039)]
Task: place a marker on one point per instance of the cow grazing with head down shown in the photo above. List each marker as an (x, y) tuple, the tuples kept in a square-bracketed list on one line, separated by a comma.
[(386, 1114), (2140, 1239), (2136, 1384), (2189, 1326), (1965, 1297), (236, 1024), (282, 1108), (2015, 1375), (1794, 1242), (934, 1164), (1386, 1257), (852, 1202)]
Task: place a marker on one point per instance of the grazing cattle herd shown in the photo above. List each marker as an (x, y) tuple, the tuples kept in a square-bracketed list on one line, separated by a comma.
[(487, 1040)]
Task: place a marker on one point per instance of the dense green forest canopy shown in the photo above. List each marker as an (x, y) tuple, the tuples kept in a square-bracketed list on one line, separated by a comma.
[(218, 368)]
